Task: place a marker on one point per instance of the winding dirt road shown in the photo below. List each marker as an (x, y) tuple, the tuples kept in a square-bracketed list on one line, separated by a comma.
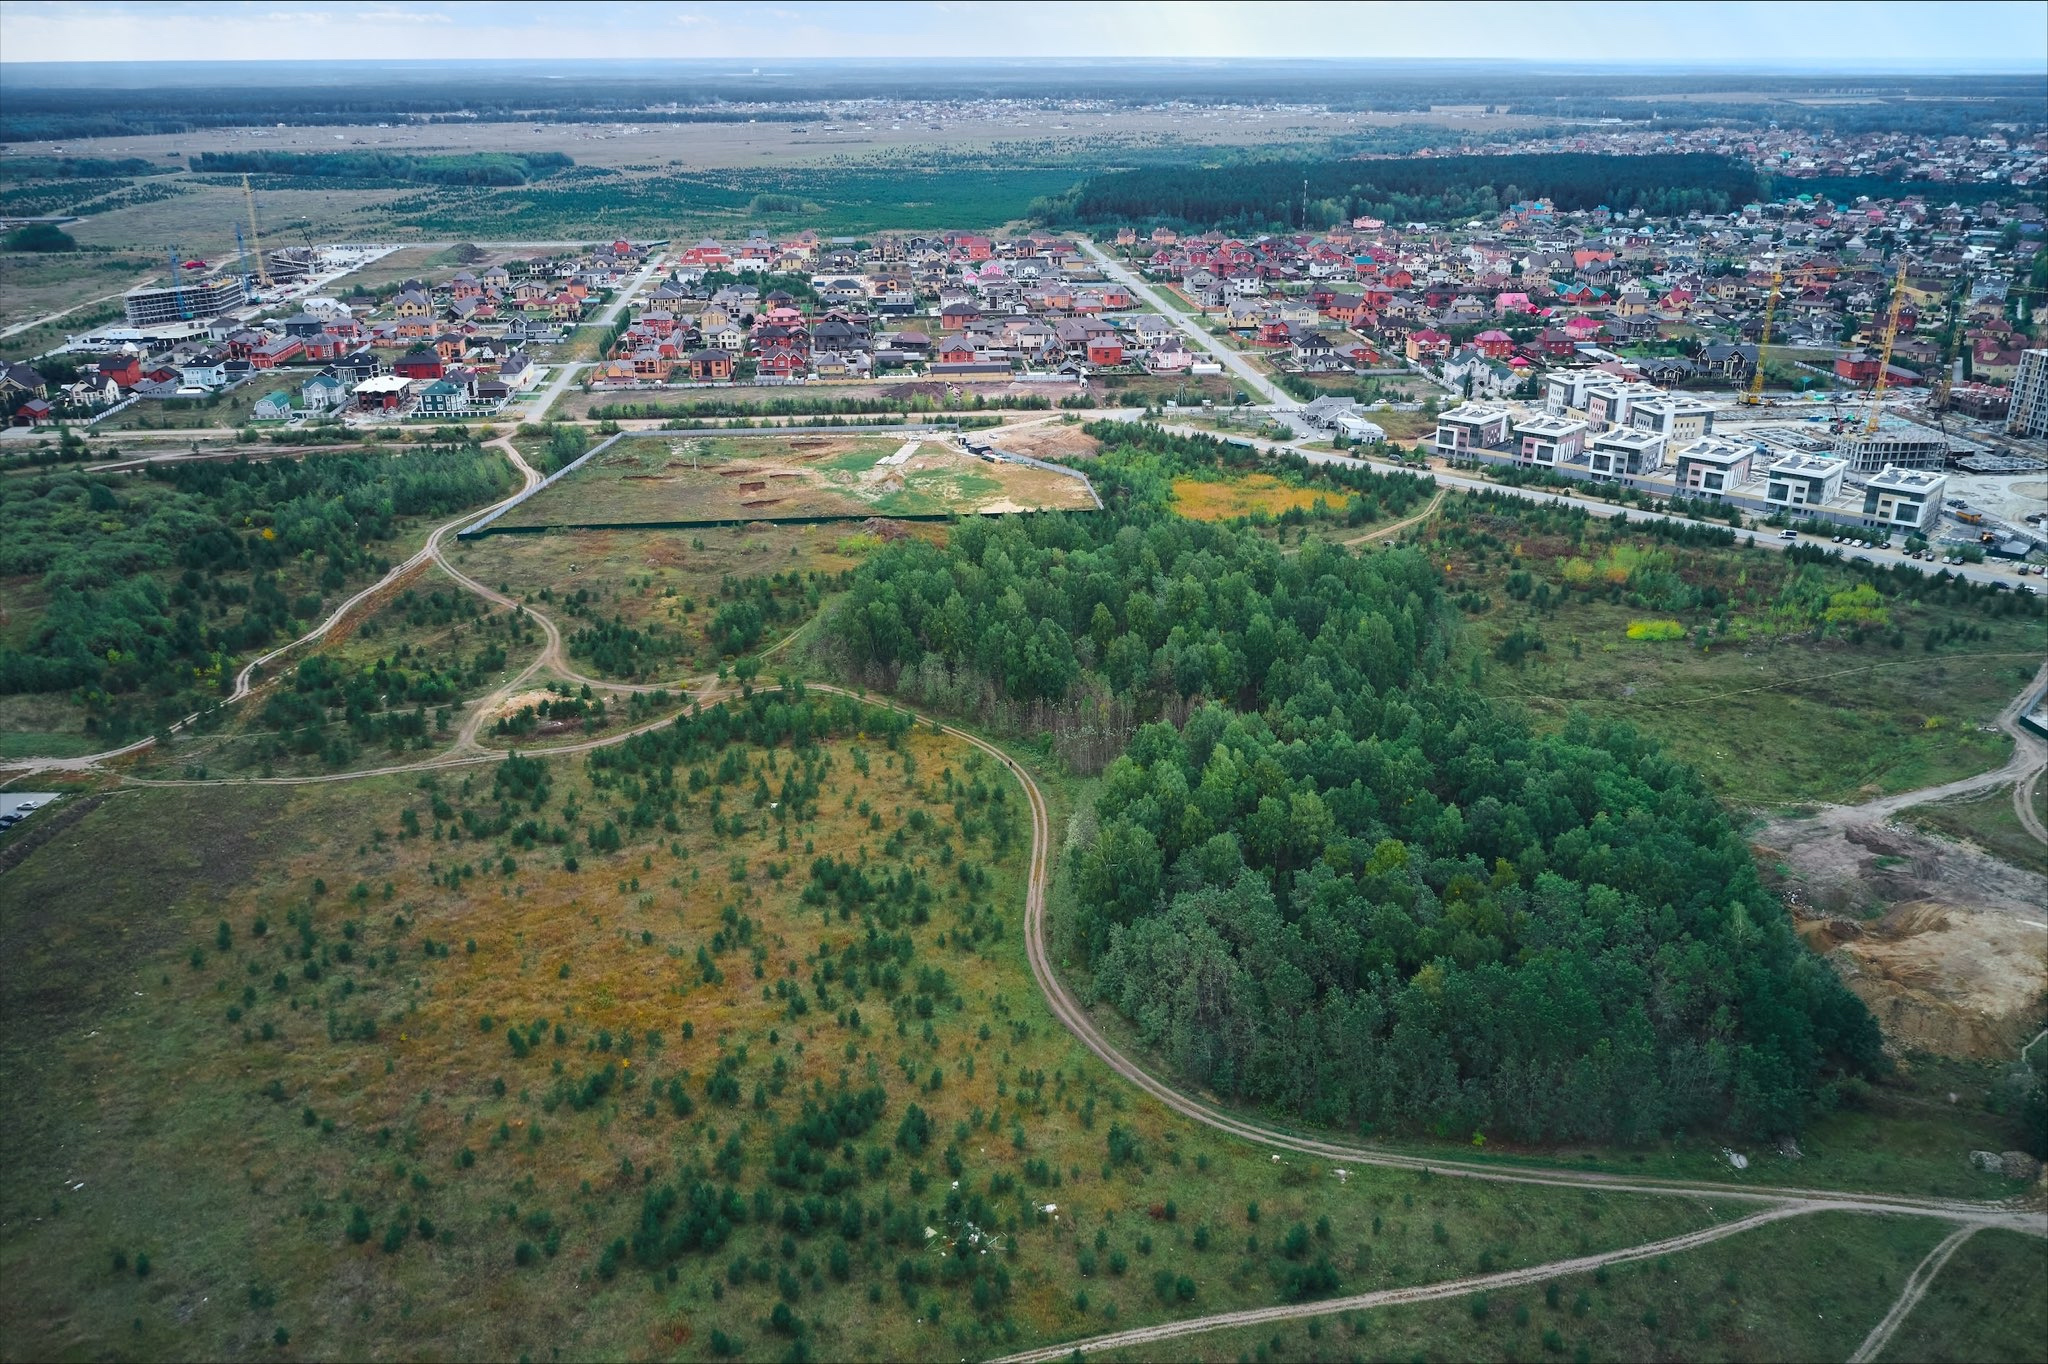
[(1781, 1203)]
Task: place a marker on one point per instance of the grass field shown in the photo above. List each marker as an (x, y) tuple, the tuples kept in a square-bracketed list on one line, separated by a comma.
[(1990, 1303), (1771, 702), (1987, 821), (675, 580), (657, 479), (230, 409), (33, 286), (1205, 500), (1811, 1289), (354, 1056)]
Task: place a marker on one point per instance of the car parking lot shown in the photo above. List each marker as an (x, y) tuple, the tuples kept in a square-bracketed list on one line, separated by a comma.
[(18, 806)]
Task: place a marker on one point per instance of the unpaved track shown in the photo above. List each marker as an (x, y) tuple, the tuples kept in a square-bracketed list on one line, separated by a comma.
[(1400, 1297), (1061, 1001), (1916, 1288)]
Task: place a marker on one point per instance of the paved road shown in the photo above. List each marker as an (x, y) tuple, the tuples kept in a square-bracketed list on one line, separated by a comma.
[(1233, 361), (1763, 538)]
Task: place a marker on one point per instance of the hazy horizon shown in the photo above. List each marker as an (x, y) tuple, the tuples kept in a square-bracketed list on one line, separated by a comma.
[(1985, 36)]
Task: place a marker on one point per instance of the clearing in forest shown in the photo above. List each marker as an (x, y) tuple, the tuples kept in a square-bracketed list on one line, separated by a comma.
[(659, 479), (1207, 500)]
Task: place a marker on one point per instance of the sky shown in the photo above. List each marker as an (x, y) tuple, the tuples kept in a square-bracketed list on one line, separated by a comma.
[(1903, 35)]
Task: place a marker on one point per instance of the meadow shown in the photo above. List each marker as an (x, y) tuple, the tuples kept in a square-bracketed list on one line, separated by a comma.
[(1781, 682), (514, 1060), (1810, 1289)]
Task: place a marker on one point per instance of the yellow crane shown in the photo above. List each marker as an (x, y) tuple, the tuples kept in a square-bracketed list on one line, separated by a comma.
[(1755, 396), (1884, 359), (255, 237)]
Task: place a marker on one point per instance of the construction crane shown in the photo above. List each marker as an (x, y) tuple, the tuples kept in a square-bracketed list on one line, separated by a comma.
[(1884, 359), (242, 250), (1937, 403), (1755, 396), (177, 287), (255, 237)]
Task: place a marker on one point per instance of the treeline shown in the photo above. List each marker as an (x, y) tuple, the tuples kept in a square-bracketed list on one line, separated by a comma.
[(479, 168), (1341, 882), (1314, 194), (152, 587), (14, 169)]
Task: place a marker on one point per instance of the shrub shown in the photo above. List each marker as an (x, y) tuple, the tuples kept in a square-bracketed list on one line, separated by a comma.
[(1655, 630)]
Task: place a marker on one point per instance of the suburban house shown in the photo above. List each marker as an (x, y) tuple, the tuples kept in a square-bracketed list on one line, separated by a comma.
[(1471, 426), (1711, 467), (1804, 480)]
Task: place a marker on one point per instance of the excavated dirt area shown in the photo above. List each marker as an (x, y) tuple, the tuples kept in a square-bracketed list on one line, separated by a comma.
[(1947, 945), (1051, 440)]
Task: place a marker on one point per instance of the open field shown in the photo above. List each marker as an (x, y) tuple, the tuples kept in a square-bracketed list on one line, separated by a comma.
[(1777, 722), (696, 597), (1989, 1303), (229, 409), (977, 168), (1223, 500), (1810, 1289), (1773, 698), (1988, 822), (33, 286), (380, 1131), (654, 479)]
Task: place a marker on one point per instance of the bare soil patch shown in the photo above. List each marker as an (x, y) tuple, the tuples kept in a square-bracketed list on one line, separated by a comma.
[(1946, 944)]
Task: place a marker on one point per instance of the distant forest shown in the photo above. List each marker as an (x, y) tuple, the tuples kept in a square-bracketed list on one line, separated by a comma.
[(111, 99), (482, 168), (1316, 194)]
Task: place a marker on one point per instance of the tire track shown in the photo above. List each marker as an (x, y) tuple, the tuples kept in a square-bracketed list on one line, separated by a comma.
[(1399, 1297), (1916, 1288)]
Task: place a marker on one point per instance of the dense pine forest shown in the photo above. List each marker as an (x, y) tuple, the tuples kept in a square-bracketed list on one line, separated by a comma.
[(481, 168), (1316, 194), (1344, 884)]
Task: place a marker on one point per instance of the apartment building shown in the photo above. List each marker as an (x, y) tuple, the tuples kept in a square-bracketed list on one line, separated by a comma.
[(2029, 413)]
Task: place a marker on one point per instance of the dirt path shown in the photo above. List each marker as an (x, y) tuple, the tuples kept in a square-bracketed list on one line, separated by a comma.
[(2023, 769), (1399, 1297), (1384, 531), (1916, 1288)]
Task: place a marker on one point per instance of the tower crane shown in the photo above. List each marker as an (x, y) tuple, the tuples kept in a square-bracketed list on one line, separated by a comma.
[(255, 237), (1755, 396), (177, 286), (1884, 359)]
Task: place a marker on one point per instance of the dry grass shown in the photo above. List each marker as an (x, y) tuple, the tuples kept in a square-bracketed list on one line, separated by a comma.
[(158, 1125), (1204, 500)]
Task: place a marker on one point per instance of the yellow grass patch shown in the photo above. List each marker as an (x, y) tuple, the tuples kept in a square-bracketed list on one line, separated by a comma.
[(1202, 500)]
